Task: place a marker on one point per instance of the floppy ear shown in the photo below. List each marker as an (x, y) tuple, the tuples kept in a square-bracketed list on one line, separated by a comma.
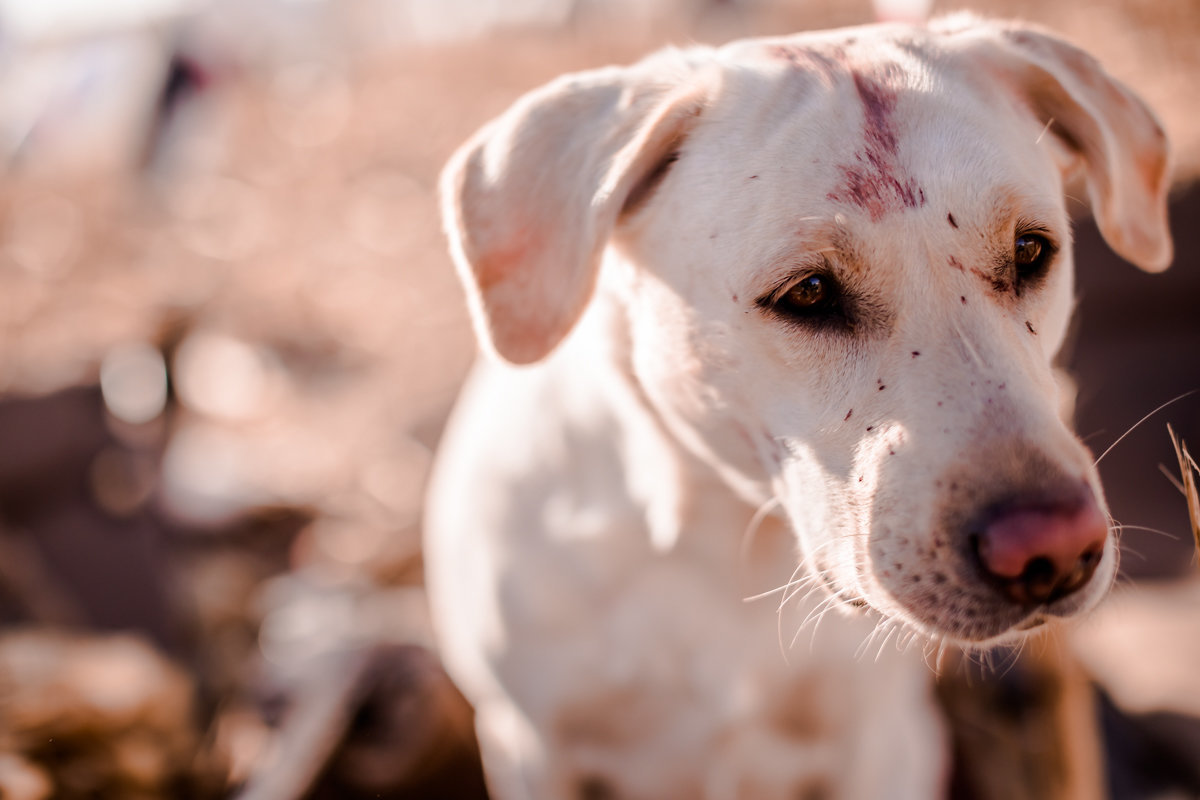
[(530, 201), (1119, 140)]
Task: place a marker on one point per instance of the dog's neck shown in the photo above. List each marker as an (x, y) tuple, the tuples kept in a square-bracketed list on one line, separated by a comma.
[(679, 491)]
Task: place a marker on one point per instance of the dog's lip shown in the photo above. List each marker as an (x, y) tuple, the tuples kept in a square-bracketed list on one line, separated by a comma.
[(1036, 617), (993, 624), (1034, 621)]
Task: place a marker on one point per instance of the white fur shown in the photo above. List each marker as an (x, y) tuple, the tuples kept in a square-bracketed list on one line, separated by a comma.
[(589, 534)]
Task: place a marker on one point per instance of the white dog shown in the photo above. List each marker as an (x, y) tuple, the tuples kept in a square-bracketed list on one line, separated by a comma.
[(792, 301)]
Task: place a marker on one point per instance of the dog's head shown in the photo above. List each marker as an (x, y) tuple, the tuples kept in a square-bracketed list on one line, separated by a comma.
[(845, 269)]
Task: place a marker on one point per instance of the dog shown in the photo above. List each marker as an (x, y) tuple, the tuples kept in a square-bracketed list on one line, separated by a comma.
[(778, 318)]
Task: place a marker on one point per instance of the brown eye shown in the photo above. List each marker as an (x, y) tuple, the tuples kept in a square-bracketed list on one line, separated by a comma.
[(1031, 255), (807, 293), (813, 300)]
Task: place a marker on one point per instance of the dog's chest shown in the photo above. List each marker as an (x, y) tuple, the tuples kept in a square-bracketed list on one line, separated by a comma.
[(675, 687)]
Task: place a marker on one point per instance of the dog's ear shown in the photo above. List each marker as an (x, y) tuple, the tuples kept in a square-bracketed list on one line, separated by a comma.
[(530, 201), (1100, 122)]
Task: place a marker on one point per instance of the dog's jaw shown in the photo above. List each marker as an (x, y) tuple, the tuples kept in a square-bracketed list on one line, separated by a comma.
[(870, 542)]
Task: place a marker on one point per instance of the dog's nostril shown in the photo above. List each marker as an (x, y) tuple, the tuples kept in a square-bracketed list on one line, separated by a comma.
[(1038, 556), (1039, 577), (1084, 568)]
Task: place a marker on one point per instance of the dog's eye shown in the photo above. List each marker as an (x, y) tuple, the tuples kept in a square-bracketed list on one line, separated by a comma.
[(1031, 255), (814, 298), (807, 293)]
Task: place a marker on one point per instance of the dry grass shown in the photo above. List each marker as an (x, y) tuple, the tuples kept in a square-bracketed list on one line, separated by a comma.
[(1188, 470)]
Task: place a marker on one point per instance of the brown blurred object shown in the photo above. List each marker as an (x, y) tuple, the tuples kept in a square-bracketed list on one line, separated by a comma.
[(377, 722), (92, 716), (1025, 727)]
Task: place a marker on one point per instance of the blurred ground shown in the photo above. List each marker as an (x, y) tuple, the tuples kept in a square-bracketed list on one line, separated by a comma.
[(229, 336)]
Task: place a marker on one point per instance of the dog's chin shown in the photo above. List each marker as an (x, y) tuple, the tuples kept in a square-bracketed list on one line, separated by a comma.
[(939, 621), (1004, 626), (979, 638), (997, 625)]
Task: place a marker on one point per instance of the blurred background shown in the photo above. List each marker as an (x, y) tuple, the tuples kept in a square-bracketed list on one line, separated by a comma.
[(230, 335)]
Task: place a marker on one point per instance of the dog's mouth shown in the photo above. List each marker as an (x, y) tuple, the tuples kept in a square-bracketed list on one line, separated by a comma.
[(976, 616), (980, 630), (968, 614), (953, 605)]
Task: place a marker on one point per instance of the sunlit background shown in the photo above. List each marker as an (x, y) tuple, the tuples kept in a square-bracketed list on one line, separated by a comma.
[(229, 337)]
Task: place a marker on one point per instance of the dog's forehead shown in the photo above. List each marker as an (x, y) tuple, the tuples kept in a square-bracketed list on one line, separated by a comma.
[(868, 109), (863, 128)]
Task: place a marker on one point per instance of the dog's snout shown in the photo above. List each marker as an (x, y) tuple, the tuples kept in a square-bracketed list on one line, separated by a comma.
[(1036, 555)]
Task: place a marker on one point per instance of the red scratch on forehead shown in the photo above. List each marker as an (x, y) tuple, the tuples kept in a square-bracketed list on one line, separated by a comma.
[(875, 181), (878, 103), (827, 62)]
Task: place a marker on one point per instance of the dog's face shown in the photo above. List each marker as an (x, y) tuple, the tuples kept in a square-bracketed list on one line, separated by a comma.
[(845, 267)]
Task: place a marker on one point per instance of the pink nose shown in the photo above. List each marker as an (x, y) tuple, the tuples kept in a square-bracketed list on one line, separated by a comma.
[(1039, 555)]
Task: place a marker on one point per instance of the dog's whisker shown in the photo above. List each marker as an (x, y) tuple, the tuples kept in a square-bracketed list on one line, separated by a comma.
[(892, 628), (865, 646), (1133, 552), (814, 582), (779, 612), (929, 650), (1075, 200), (1045, 130), (879, 634), (970, 348), (779, 637), (1021, 650), (972, 665), (1138, 424), (754, 524), (1121, 527), (811, 581), (791, 581), (1011, 658), (816, 612), (799, 583), (941, 655), (815, 616), (816, 626), (830, 601), (795, 582)]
